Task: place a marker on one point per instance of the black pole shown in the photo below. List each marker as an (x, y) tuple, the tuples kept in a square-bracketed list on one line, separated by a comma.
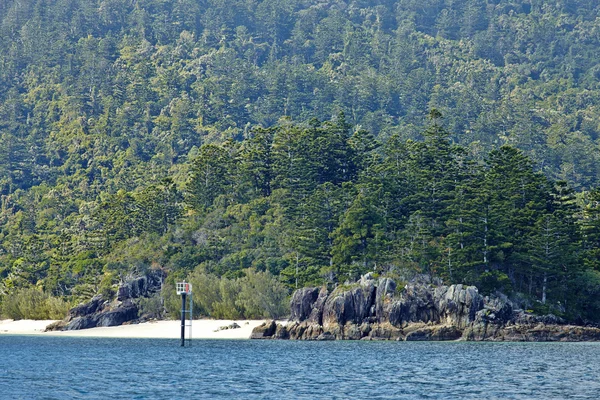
[(182, 319)]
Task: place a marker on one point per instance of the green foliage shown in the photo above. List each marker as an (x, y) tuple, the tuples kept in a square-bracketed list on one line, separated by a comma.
[(254, 295), (151, 307), (169, 135), (32, 303), (492, 281)]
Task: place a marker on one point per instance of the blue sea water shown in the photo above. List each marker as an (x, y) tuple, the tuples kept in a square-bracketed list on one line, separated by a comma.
[(34, 367)]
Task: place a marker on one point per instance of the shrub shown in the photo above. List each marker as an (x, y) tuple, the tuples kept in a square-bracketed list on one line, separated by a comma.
[(151, 307), (255, 295), (33, 303), (261, 295)]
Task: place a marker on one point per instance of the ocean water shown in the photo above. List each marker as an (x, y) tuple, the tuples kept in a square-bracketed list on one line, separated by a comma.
[(34, 367)]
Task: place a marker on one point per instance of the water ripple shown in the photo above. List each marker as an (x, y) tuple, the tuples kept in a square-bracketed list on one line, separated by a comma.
[(85, 368)]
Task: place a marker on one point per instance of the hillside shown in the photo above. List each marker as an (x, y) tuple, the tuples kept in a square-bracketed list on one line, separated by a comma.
[(189, 135)]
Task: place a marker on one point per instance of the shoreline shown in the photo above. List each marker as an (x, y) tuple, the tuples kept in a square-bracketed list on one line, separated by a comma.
[(165, 329)]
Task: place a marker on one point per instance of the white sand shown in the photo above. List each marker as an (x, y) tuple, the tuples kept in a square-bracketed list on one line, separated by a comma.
[(23, 327), (201, 329)]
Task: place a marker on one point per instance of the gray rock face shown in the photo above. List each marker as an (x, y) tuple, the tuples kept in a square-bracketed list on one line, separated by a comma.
[(118, 316), (374, 310), (353, 305), (316, 315), (266, 330), (101, 312), (124, 312), (143, 286), (415, 304), (457, 305), (383, 299), (96, 304), (302, 303)]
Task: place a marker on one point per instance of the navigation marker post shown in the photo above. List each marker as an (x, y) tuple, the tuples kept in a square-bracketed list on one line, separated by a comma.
[(185, 290)]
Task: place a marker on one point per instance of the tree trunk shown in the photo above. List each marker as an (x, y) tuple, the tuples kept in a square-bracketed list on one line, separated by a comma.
[(544, 286)]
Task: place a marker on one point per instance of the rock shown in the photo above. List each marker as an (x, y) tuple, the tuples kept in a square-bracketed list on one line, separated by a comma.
[(281, 332), (415, 304), (302, 303), (434, 333), (96, 304), (423, 310), (125, 313), (56, 326), (349, 305), (264, 331), (383, 299), (124, 309), (80, 323), (352, 332), (233, 325), (326, 336), (457, 304), (143, 286), (311, 332), (385, 331), (292, 329), (316, 315), (446, 333), (530, 319), (419, 335)]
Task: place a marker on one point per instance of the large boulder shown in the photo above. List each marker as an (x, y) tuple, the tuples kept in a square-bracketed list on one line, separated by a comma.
[(384, 295), (118, 315), (266, 330), (349, 304), (126, 312), (302, 303), (316, 315), (416, 303), (143, 286), (96, 304), (457, 305)]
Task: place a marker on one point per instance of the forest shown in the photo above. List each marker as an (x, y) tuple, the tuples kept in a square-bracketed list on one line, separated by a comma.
[(284, 143)]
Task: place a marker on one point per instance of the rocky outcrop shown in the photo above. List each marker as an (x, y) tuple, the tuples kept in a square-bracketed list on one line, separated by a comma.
[(374, 309), (143, 286), (108, 315), (99, 311), (303, 301), (266, 330), (345, 308)]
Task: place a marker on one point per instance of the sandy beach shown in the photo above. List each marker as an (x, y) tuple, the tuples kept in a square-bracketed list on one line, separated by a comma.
[(201, 329)]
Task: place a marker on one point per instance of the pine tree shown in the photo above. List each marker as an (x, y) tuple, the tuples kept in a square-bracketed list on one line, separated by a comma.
[(359, 237), (211, 175), (518, 197), (590, 230)]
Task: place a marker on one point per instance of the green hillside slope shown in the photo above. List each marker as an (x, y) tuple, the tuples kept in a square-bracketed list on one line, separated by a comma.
[(130, 138)]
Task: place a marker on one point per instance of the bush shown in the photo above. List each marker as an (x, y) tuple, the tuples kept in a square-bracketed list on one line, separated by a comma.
[(151, 307), (228, 306), (33, 303), (261, 295), (255, 295)]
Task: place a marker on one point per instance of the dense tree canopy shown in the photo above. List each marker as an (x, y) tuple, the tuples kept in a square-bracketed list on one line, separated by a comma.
[(189, 135)]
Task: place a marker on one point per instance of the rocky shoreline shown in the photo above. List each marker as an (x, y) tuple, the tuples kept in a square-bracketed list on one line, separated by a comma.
[(376, 309), (124, 309)]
